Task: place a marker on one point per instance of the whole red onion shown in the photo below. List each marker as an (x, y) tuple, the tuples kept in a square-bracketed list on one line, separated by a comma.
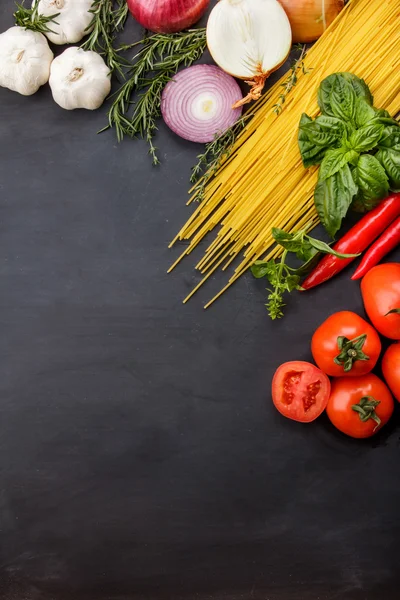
[(167, 16)]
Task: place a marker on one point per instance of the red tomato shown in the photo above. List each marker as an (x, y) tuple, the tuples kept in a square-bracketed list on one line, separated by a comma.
[(380, 290), (300, 391), (391, 369), (345, 345), (374, 401)]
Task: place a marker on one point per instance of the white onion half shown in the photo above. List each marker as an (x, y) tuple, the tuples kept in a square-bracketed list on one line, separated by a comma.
[(249, 39), (197, 103)]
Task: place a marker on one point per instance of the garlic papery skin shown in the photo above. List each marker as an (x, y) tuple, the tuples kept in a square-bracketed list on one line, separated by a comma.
[(249, 39), (79, 79), (72, 23), (25, 59)]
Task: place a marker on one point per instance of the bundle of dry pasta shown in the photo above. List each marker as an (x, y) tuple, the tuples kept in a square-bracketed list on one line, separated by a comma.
[(263, 183)]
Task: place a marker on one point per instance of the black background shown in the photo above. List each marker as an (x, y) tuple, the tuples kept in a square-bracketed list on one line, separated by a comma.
[(140, 454)]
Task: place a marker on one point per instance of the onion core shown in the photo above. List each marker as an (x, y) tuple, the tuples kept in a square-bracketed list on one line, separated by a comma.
[(249, 39), (197, 103), (167, 16), (310, 18)]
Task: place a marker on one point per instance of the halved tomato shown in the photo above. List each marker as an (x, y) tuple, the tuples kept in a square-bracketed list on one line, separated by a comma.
[(300, 391)]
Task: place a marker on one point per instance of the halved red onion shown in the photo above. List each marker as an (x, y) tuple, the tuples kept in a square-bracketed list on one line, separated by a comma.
[(197, 103)]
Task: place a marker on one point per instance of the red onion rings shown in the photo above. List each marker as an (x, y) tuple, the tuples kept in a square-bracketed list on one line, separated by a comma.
[(197, 103)]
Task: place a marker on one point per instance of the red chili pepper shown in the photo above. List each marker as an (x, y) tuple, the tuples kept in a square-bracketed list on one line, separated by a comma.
[(383, 245), (356, 240)]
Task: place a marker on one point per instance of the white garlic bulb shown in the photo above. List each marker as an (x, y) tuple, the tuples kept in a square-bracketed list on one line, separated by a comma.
[(72, 22), (25, 59), (79, 79)]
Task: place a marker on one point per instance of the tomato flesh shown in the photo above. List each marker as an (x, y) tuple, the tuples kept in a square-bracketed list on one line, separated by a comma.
[(300, 391)]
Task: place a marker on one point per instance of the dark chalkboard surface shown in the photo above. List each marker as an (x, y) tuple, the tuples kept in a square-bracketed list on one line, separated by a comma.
[(140, 455)]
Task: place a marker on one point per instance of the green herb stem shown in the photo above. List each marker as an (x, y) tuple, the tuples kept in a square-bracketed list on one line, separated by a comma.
[(153, 66), (30, 18), (109, 18)]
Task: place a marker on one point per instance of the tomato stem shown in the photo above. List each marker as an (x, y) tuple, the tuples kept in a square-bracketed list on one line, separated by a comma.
[(366, 410), (350, 351)]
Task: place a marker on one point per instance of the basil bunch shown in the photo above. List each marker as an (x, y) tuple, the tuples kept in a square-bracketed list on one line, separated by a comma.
[(356, 145)]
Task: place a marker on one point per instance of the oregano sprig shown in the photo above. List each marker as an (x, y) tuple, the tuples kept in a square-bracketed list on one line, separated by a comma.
[(284, 278)]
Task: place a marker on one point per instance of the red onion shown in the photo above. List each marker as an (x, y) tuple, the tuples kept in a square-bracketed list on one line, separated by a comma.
[(167, 16), (197, 103)]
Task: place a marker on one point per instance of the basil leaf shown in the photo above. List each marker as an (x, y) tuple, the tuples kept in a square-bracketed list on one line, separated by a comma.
[(343, 100), (333, 197), (390, 161), (316, 137), (364, 112), (359, 87), (383, 117), (262, 268), (292, 282), (366, 138), (372, 183), (336, 159), (390, 138), (326, 249), (293, 242)]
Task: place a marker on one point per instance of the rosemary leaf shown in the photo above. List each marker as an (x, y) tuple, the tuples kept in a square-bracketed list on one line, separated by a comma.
[(214, 155), (157, 61), (292, 78), (109, 18), (30, 18)]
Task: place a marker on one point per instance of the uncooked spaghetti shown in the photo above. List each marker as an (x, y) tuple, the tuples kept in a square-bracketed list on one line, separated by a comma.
[(263, 183)]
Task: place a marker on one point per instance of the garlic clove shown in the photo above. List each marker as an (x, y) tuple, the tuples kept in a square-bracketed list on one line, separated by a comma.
[(249, 39), (25, 59), (79, 79), (73, 21)]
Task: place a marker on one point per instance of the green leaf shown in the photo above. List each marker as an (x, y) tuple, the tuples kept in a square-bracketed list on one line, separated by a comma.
[(293, 242), (343, 100), (262, 269), (390, 138), (325, 99), (315, 137), (336, 159), (364, 112), (366, 138), (390, 161), (333, 197), (372, 183), (326, 249)]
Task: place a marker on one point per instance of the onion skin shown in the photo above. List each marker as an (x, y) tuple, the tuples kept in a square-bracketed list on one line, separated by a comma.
[(167, 16), (306, 19)]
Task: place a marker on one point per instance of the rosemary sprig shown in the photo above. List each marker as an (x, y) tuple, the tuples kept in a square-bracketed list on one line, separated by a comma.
[(30, 18), (292, 78), (109, 18), (214, 155), (153, 66)]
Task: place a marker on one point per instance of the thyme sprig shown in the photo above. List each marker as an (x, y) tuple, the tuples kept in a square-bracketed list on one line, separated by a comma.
[(30, 18), (109, 18), (216, 152), (153, 66), (292, 78)]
